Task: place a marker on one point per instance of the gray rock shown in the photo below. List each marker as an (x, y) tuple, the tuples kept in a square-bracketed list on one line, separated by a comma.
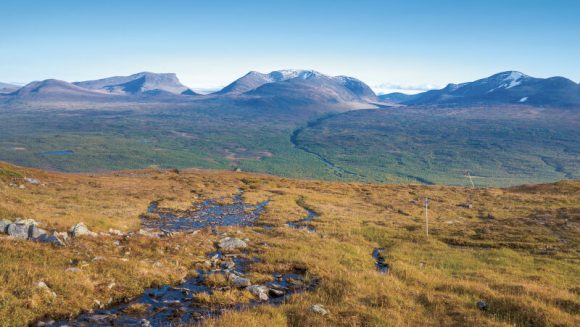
[(63, 236), (4, 225), (30, 180), (80, 229), (466, 205), (229, 243), (35, 232), (52, 239), (239, 281), (482, 305), (259, 291), (229, 265), (18, 230), (115, 232), (73, 269), (276, 292), (319, 309), (26, 221), (148, 233)]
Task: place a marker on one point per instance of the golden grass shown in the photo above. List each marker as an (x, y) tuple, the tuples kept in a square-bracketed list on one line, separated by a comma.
[(516, 249)]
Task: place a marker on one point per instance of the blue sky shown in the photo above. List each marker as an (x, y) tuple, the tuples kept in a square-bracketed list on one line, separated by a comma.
[(414, 44)]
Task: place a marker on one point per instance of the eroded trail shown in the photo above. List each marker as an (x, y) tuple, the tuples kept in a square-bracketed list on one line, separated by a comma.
[(190, 302)]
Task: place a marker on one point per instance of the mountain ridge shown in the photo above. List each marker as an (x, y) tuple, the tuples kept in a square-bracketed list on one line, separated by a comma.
[(509, 87)]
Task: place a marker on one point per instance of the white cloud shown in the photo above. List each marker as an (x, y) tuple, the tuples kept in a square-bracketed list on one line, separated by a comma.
[(385, 88)]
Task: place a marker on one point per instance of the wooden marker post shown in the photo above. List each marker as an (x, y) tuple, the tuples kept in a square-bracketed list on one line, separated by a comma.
[(427, 216)]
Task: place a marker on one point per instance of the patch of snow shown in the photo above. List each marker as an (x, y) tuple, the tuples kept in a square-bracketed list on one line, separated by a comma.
[(510, 80), (514, 79), (524, 99)]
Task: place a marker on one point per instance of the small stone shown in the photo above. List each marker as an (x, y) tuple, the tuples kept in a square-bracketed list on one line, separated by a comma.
[(115, 232), (260, 291), (148, 233), (73, 269), (61, 235), (30, 180), (81, 229), (482, 305), (276, 293), (239, 281), (319, 309), (41, 284), (231, 243)]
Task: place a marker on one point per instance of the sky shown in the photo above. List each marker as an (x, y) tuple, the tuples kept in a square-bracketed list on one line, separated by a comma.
[(408, 45)]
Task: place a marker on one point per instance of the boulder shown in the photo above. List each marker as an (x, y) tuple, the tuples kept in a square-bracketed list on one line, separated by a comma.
[(18, 230), (319, 309), (81, 229), (229, 243), (4, 225), (259, 291)]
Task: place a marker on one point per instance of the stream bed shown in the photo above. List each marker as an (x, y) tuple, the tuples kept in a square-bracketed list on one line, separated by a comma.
[(183, 304), (302, 223)]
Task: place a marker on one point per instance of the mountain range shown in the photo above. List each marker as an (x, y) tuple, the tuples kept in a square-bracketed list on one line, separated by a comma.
[(300, 88), (509, 87)]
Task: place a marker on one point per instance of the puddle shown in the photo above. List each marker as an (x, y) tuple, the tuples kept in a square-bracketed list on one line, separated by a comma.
[(380, 263), (207, 214), (301, 224)]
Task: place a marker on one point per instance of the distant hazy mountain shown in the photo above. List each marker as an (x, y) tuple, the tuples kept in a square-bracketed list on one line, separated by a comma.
[(396, 97), (303, 87), (144, 82), (8, 88), (52, 88), (504, 88)]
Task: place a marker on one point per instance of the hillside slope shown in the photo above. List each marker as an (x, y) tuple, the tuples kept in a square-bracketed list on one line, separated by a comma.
[(513, 249)]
